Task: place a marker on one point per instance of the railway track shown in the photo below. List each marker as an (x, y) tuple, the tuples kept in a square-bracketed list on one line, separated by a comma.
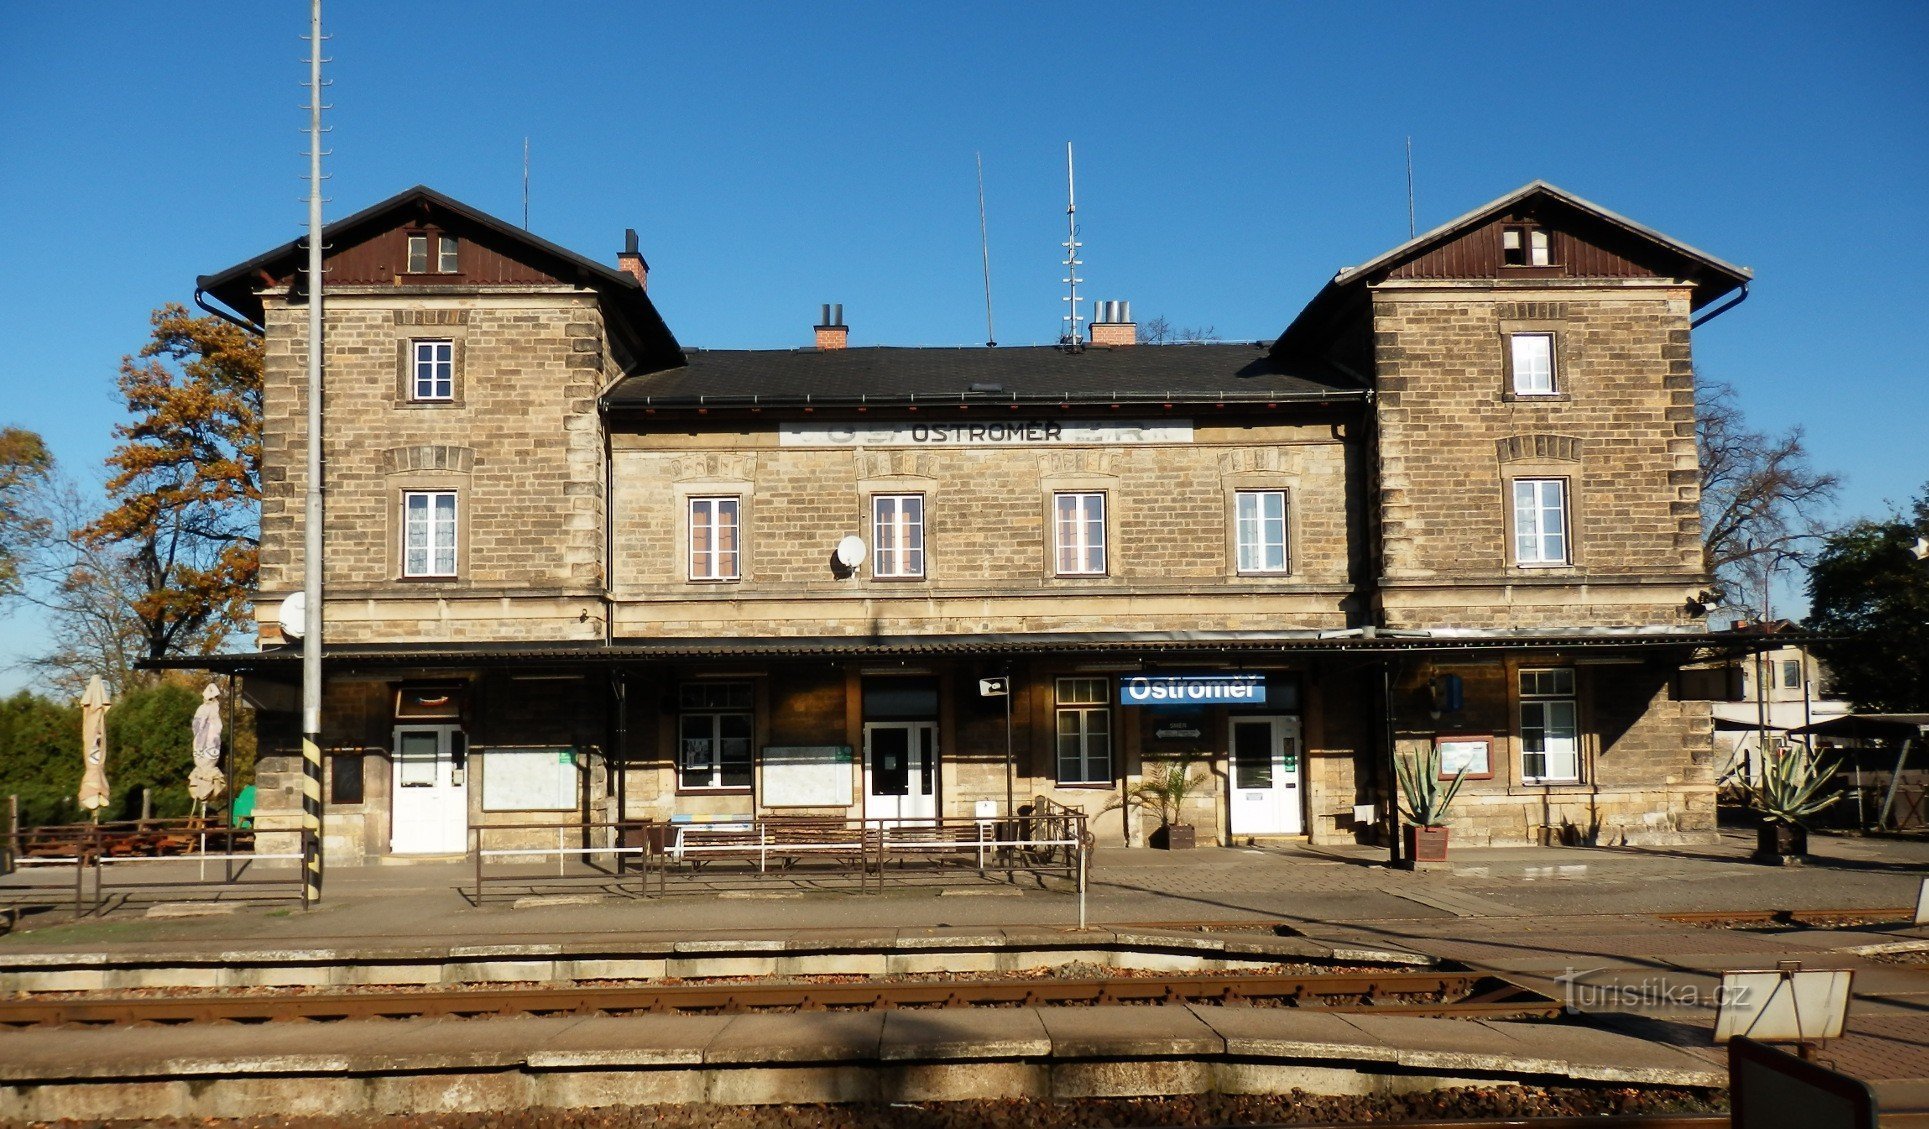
[(1822, 917), (1440, 994)]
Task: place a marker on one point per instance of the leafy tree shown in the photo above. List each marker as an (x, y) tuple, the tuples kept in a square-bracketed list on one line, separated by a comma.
[(1868, 586), (40, 757), (1760, 497), (150, 744), (24, 468), (187, 481)]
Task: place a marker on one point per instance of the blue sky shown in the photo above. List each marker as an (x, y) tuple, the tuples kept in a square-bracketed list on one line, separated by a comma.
[(1231, 157)]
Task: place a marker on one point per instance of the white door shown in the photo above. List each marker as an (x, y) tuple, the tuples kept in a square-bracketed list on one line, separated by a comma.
[(1266, 777), (430, 813), (900, 770)]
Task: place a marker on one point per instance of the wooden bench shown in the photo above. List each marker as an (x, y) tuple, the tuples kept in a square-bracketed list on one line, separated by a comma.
[(785, 840)]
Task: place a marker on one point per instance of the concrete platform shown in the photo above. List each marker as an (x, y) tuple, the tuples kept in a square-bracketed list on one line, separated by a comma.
[(394, 1067)]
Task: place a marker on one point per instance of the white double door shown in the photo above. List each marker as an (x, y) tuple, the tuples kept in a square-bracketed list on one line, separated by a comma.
[(900, 770), (1267, 797), (430, 812)]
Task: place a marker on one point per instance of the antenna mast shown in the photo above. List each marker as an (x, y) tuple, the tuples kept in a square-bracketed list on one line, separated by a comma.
[(984, 242), (1072, 261), (1410, 229), (311, 548), (525, 182)]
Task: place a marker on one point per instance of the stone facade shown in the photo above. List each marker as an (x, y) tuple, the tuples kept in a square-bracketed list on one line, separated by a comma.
[(1405, 617)]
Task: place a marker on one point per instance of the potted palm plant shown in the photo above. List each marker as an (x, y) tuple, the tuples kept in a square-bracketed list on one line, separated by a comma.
[(1788, 795), (1164, 789), (1427, 800)]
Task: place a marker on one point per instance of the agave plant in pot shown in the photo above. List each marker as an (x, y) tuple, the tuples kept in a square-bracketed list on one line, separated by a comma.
[(1163, 790), (1427, 800), (1788, 795)]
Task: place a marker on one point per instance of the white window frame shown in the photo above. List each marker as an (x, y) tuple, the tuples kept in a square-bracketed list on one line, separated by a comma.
[(417, 264), (1075, 549), (447, 258), (897, 536), (706, 706), (1259, 538), (1541, 531), (706, 560), (1531, 359), (1082, 729), (432, 370), (1550, 732), (439, 541), (1535, 245)]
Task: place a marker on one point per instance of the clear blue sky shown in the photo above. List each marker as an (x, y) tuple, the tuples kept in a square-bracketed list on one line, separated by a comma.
[(1231, 157)]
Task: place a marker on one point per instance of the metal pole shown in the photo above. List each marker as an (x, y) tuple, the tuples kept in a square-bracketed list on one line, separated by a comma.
[(1895, 778), (311, 642), (1010, 764), (1396, 850)]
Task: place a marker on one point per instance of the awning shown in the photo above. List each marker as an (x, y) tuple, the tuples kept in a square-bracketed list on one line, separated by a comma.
[(1871, 726), (1124, 644)]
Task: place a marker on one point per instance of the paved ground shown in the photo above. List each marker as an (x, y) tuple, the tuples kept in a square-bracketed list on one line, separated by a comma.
[(1577, 923)]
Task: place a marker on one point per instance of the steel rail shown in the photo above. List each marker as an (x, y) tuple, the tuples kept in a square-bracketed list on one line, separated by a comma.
[(1450, 994), (1573, 1121), (1883, 915)]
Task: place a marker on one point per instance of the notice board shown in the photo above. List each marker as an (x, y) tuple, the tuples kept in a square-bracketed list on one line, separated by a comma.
[(807, 776), (542, 779)]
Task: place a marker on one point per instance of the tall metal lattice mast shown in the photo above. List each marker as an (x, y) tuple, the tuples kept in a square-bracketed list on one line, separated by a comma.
[(311, 548), (1073, 337)]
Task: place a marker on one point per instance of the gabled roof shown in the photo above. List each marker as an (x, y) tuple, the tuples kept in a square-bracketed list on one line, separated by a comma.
[(237, 286), (1025, 375), (1712, 277)]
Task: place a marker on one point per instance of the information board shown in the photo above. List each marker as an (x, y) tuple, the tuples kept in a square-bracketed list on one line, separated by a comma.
[(807, 776), (529, 779)]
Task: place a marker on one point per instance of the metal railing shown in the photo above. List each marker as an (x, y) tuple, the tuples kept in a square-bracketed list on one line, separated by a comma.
[(241, 872), (619, 842)]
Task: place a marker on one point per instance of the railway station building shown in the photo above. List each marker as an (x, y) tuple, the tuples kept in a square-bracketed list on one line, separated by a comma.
[(574, 570)]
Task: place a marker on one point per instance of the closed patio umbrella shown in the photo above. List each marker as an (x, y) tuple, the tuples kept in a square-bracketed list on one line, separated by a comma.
[(205, 782), (93, 746)]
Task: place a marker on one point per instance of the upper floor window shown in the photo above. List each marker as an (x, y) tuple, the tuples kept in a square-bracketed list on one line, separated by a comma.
[(714, 543), (1791, 674), (1549, 738), (1525, 247), (446, 258), (1259, 520), (897, 535), (428, 533), (1079, 523), (1532, 355), (1084, 717), (433, 373), (1540, 521)]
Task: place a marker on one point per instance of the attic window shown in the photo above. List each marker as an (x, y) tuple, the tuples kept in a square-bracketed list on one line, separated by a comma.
[(1525, 246), (446, 259)]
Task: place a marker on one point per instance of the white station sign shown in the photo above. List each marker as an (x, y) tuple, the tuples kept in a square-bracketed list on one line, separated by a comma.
[(986, 433)]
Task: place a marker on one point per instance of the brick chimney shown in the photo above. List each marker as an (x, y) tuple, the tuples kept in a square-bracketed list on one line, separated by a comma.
[(832, 333), (631, 259), (1112, 324)]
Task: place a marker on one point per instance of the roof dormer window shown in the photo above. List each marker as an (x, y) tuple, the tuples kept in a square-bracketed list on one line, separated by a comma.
[(1525, 246)]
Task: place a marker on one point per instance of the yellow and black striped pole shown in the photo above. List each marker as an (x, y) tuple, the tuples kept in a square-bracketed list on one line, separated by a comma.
[(311, 642)]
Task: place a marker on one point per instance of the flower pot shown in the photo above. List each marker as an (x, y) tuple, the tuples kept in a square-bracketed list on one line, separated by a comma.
[(1176, 837), (1426, 844), (1780, 844)]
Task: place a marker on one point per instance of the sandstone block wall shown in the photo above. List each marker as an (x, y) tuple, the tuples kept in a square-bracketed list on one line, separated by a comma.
[(988, 534), (1453, 435), (521, 444)]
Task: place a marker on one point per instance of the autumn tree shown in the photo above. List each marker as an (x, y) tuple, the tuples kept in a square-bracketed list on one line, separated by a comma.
[(186, 485), (24, 469), (1761, 500), (1869, 590)]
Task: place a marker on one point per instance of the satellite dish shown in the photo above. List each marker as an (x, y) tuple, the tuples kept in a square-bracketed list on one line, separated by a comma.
[(293, 615), (850, 552)]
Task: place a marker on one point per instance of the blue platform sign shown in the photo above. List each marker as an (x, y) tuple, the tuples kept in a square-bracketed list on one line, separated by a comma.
[(1242, 689)]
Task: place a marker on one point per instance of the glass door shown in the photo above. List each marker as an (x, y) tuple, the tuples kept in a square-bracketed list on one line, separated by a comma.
[(900, 770)]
